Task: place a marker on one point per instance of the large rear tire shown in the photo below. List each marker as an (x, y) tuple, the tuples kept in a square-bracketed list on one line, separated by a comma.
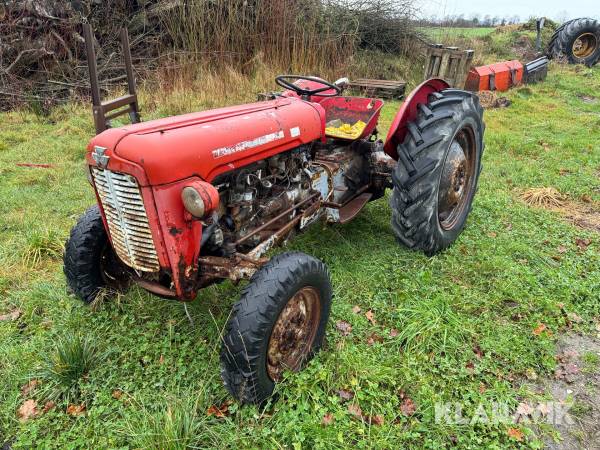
[(578, 40), (277, 325), (89, 262), (437, 172)]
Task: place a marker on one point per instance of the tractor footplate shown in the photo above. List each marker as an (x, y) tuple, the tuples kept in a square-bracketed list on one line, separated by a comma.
[(353, 207)]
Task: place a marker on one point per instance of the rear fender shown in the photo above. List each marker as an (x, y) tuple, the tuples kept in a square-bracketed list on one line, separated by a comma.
[(408, 112)]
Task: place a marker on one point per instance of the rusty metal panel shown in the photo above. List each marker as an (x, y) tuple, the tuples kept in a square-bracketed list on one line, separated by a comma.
[(126, 218)]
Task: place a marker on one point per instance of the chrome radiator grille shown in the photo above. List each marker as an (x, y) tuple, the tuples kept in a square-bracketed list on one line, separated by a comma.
[(127, 220)]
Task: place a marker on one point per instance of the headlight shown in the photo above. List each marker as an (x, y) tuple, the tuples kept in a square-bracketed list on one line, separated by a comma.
[(193, 202), (200, 199)]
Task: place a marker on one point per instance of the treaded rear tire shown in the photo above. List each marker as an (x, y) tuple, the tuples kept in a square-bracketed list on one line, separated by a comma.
[(85, 249), (561, 43), (421, 157), (246, 338)]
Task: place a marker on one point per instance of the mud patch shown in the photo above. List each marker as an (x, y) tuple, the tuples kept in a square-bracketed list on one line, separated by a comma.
[(489, 99), (583, 215), (576, 384)]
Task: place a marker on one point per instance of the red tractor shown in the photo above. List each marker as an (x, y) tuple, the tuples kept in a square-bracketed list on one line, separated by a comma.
[(187, 201)]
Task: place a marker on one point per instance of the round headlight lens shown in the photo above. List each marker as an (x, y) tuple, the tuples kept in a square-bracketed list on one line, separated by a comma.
[(193, 202)]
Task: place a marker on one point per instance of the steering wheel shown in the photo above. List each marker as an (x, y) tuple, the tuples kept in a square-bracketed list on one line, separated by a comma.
[(284, 82)]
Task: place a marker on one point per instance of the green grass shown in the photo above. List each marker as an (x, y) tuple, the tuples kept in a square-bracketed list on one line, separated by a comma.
[(438, 34), (465, 318)]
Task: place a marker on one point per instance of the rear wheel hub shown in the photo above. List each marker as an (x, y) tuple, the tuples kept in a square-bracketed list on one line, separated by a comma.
[(585, 45), (456, 179)]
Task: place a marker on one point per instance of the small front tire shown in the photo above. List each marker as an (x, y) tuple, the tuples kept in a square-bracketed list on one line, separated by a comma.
[(90, 264), (278, 324)]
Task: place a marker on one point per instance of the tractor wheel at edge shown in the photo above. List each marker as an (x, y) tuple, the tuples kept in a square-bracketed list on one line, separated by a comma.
[(578, 40), (438, 168), (89, 262), (278, 324)]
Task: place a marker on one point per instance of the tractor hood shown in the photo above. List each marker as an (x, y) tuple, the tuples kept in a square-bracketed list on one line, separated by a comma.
[(207, 143)]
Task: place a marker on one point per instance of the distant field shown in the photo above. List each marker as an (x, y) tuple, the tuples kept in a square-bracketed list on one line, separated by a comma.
[(445, 32)]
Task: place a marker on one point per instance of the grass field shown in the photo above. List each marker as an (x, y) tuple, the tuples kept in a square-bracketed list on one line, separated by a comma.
[(467, 326), (439, 34)]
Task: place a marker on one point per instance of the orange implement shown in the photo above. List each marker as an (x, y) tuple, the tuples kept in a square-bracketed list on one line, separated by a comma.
[(495, 77)]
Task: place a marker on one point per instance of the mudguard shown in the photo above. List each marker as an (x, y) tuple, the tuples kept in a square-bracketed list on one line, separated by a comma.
[(408, 112)]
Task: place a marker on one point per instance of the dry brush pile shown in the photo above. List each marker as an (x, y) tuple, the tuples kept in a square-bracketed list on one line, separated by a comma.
[(42, 51)]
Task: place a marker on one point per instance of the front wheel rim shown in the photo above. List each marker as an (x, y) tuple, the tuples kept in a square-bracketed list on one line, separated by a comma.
[(456, 181), (294, 332)]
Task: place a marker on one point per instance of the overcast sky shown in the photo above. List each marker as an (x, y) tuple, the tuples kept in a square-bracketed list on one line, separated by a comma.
[(554, 9)]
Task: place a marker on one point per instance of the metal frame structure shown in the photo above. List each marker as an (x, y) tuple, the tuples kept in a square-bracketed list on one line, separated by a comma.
[(449, 63), (126, 104)]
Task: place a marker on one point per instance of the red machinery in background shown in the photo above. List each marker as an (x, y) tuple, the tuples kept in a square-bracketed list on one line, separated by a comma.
[(495, 77)]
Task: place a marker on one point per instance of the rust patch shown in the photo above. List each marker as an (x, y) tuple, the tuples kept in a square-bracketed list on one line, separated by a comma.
[(294, 333), (187, 279), (174, 231)]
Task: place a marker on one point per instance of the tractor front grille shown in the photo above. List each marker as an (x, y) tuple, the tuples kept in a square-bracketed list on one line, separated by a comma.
[(127, 220)]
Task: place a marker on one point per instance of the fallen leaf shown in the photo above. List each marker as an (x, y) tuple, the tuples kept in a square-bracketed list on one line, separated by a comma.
[(561, 249), (539, 329), (345, 395), (573, 317), (407, 407), (76, 410), (28, 410), (515, 433), (543, 408), (470, 367), (566, 372), (478, 352), (355, 410), (356, 309), (343, 327), (492, 234), (394, 332), (563, 172), (370, 317), (376, 420), (327, 419), (117, 394), (13, 315), (583, 244), (219, 411), (373, 338), (531, 374), (161, 360), (48, 406), (524, 409), (28, 387), (482, 388)]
